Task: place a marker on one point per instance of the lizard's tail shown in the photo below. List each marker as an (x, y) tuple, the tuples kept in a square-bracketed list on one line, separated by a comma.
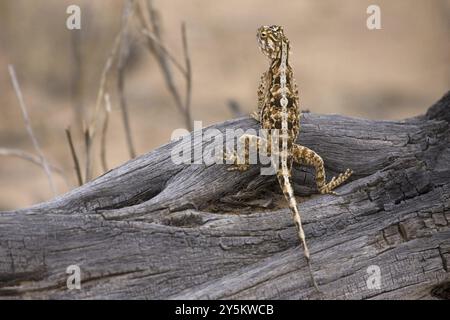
[(288, 192)]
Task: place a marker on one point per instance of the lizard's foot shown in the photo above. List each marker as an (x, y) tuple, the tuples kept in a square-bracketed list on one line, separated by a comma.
[(255, 115), (237, 165), (230, 155), (335, 182)]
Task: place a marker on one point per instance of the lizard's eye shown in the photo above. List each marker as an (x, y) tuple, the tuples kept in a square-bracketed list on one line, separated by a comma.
[(263, 35)]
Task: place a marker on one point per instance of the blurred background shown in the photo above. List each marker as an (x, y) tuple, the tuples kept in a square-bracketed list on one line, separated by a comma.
[(340, 65)]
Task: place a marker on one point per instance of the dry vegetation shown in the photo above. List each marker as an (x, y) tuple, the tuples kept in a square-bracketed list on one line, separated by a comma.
[(126, 80)]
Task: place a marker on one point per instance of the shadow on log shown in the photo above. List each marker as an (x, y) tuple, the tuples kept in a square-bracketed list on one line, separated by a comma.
[(151, 229)]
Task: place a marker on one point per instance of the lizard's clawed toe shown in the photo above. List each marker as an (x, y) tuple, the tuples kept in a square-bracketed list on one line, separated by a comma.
[(255, 115), (238, 167)]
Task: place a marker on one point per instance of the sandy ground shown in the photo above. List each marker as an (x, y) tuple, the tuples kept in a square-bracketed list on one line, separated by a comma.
[(340, 65)]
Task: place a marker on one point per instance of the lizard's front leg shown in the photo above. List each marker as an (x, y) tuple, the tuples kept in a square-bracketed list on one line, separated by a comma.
[(304, 155), (241, 161), (255, 115)]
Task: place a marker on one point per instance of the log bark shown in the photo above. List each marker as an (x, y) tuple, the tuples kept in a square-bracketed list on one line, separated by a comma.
[(151, 229)]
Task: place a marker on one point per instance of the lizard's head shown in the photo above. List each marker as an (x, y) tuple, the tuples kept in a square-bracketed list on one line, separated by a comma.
[(270, 39)]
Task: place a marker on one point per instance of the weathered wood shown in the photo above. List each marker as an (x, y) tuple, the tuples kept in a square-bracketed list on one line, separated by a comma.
[(152, 229)]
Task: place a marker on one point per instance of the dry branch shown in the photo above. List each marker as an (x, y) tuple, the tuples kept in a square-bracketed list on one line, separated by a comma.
[(88, 140), (124, 53), (187, 61), (154, 41), (30, 132), (76, 81), (153, 229), (73, 153), (104, 131), (91, 131), (152, 30), (8, 152)]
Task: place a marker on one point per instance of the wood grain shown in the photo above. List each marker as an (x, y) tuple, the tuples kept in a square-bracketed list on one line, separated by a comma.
[(150, 229)]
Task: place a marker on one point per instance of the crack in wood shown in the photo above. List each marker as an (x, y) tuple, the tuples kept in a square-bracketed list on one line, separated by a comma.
[(150, 214)]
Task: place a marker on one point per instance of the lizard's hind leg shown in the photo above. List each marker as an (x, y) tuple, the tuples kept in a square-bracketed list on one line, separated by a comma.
[(241, 160), (304, 155)]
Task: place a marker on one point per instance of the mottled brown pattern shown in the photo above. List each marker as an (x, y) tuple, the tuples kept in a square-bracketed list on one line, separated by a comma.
[(284, 122)]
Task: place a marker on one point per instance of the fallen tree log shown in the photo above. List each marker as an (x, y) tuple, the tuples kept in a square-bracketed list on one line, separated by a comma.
[(151, 229)]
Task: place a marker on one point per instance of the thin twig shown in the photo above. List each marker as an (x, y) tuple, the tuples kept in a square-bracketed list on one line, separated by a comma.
[(121, 65), (30, 129), (91, 131), (162, 57), (103, 81), (88, 146), (104, 131), (76, 78), (187, 59), (74, 157), (7, 152), (163, 48)]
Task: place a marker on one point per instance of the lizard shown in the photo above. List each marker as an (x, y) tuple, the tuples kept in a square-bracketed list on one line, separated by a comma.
[(278, 113)]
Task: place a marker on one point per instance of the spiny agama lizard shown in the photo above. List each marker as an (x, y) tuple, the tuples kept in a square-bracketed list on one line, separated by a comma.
[(278, 111)]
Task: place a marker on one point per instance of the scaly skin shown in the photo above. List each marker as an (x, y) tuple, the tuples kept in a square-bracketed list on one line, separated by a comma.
[(278, 113)]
